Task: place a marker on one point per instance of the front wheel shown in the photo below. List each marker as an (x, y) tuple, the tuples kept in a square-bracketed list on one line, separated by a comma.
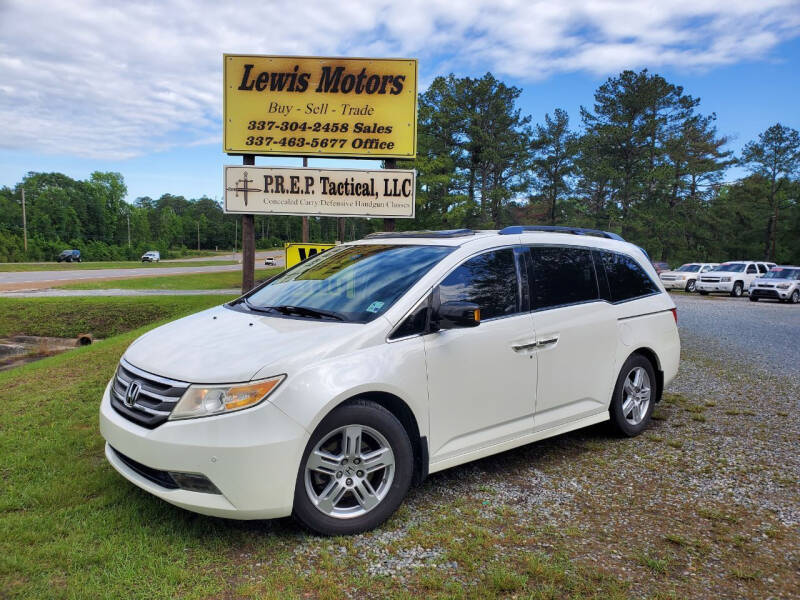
[(691, 286), (634, 396), (753, 298), (702, 293), (355, 471), (736, 292), (795, 297)]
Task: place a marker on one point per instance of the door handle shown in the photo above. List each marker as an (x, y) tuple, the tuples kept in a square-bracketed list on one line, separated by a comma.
[(523, 347), (547, 342)]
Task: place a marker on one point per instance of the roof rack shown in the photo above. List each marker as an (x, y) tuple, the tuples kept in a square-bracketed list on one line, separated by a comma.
[(518, 229), (447, 233)]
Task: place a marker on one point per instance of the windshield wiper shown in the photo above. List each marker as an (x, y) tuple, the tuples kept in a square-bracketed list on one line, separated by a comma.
[(300, 311)]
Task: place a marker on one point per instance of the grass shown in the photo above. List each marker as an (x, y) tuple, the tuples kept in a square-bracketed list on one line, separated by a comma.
[(194, 281), (116, 264), (102, 317)]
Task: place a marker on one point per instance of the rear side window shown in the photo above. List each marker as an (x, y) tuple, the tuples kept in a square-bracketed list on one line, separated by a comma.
[(489, 280), (752, 269), (562, 275), (626, 278)]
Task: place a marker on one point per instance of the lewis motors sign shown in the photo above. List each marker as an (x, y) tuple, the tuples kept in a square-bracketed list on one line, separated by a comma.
[(384, 193)]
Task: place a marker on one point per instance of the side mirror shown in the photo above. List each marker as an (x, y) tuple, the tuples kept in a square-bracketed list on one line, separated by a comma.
[(454, 315)]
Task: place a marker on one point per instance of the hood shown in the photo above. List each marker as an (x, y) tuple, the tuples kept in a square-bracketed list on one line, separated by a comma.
[(677, 273), (221, 345)]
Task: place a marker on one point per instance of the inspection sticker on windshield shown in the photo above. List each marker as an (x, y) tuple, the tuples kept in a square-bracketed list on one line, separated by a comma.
[(375, 306)]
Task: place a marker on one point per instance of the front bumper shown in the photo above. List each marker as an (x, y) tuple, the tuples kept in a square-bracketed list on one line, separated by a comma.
[(726, 287), (676, 284), (251, 456), (772, 294)]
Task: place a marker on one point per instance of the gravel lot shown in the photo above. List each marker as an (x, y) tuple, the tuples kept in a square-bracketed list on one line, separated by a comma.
[(765, 333)]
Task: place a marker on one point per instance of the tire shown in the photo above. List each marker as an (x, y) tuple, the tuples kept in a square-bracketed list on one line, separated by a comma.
[(738, 287), (795, 297), (702, 293), (753, 298), (691, 286), (335, 497), (631, 419)]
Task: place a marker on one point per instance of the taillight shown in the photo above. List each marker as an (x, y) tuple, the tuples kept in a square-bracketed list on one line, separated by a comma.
[(675, 314)]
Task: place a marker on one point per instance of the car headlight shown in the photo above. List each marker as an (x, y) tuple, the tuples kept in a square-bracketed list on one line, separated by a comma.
[(207, 400), (783, 286), (725, 279), (682, 277)]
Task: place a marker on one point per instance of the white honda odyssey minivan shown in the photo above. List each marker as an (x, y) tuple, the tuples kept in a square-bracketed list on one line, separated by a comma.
[(329, 390)]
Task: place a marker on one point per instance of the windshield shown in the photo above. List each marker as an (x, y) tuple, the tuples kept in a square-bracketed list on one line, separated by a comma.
[(689, 268), (730, 268), (780, 273), (353, 283)]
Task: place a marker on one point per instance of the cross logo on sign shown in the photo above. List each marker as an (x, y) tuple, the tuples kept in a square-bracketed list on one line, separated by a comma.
[(243, 187)]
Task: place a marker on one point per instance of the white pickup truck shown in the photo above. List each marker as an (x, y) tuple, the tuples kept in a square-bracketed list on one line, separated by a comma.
[(733, 277), (685, 276)]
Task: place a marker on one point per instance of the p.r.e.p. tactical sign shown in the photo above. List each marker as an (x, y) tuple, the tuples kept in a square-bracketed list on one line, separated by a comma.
[(387, 193), (342, 107)]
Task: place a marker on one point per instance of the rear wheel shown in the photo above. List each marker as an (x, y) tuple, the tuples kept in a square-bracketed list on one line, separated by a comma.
[(691, 286), (634, 396), (355, 471), (736, 292)]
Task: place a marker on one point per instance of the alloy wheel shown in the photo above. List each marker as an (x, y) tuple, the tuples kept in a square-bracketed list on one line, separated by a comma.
[(636, 395), (349, 472)]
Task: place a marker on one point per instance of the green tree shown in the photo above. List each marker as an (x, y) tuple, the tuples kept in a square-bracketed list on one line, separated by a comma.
[(776, 157), (554, 147)]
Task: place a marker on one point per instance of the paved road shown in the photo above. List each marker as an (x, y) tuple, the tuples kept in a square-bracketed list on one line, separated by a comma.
[(765, 334), (26, 280)]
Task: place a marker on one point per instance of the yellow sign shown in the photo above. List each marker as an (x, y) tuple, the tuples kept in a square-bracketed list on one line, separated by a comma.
[(296, 253), (285, 105)]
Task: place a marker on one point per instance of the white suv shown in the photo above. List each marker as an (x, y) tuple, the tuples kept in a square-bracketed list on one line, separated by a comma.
[(330, 389), (781, 283), (685, 276), (733, 277)]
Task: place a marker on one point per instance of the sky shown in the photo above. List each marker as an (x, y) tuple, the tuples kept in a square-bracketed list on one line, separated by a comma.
[(136, 86)]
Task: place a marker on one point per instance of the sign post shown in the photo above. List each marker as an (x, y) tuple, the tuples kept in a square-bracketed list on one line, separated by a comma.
[(318, 106)]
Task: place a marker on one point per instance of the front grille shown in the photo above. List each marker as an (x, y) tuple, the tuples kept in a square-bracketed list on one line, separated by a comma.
[(764, 293), (161, 478), (668, 277), (766, 285), (710, 279), (156, 399)]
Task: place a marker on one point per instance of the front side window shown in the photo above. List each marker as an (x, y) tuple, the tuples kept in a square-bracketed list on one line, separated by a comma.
[(348, 283), (562, 275), (626, 278), (488, 280)]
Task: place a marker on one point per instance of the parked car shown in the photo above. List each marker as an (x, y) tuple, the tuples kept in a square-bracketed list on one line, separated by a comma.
[(269, 261), (69, 256), (685, 276), (780, 283), (151, 256), (732, 277), (660, 267), (331, 388)]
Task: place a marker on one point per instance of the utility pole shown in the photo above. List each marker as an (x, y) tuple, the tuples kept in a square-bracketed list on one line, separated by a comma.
[(24, 223), (248, 242), (198, 235), (389, 163), (305, 219), (128, 216)]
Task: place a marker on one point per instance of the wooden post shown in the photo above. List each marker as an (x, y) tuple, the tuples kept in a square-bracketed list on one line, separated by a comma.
[(24, 223), (389, 163), (342, 227), (305, 219), (248, 242)]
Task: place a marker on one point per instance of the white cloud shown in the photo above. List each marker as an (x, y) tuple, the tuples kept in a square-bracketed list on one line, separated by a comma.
[(114, 80)]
